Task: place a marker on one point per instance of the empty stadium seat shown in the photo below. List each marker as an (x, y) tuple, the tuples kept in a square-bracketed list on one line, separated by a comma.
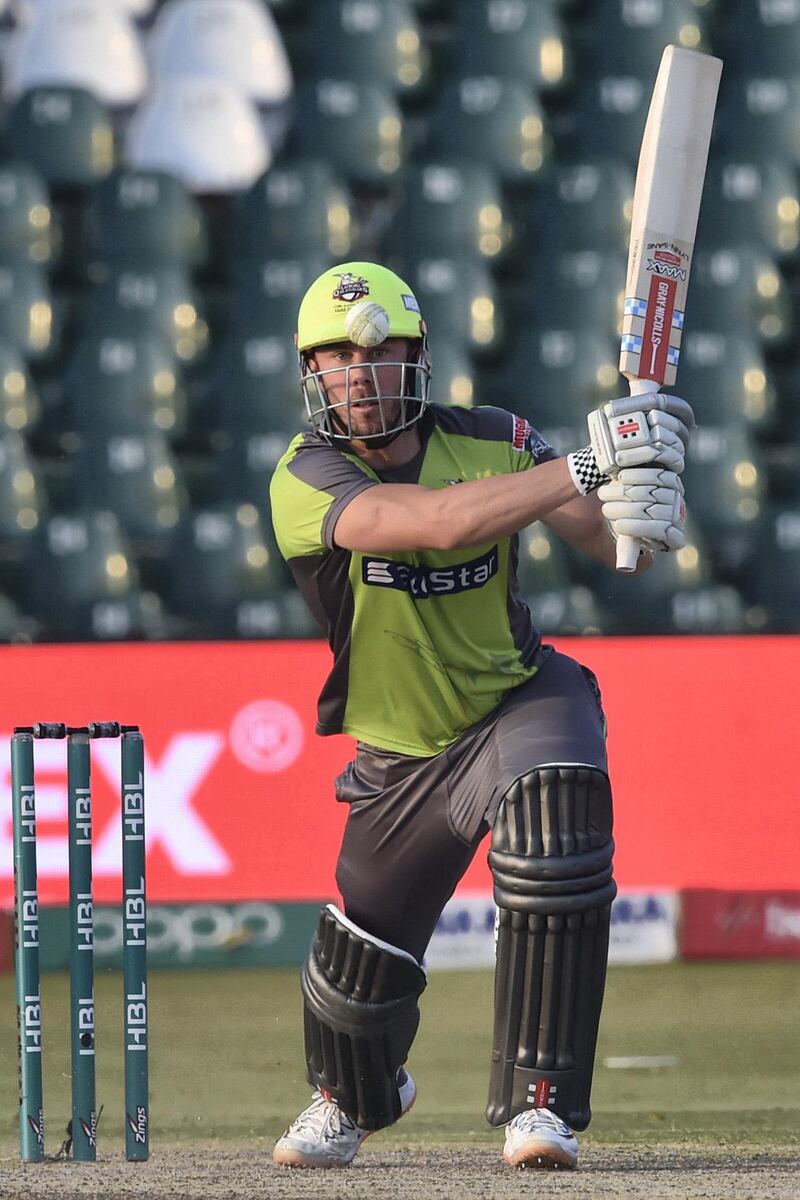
[(227, 578), (134, 301), (521, 40), (29, 318), (77, 43), (65, 133), (269, 290), (633, 34), (582, 205), (608, 110), (20, 408), (135, 9), (758, 116), (746, 200), (574, 289), (246, 462), (28, 227), (83, 583), (297, 206), (459, 300), (678, 594), (204, 130), (23, 501), (138, 478), (558, 374), (450, 207), (497, 121), (372, 41), (725, 488), (357, 126), (453, 378), (725, 374), (145, 219), (122, 385), (739, 287), (254, 386), (236, 41), (766, 33), (775, 578), (559, 603)]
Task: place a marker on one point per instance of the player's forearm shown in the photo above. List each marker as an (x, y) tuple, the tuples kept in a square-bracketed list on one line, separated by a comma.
[(396, 516), (501, 505)]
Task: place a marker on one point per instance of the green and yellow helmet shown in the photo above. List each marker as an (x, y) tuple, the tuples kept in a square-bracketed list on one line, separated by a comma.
[(363, 303)]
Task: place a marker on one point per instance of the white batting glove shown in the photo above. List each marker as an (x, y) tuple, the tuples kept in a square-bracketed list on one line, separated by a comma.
[(635, 431), (647, 504)]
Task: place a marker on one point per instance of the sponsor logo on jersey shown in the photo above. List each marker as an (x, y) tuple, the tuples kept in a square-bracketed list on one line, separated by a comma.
[(423, 582), (521, 433), (351, 287)]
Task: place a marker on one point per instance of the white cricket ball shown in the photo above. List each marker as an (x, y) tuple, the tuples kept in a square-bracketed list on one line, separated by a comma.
[(367, 323)]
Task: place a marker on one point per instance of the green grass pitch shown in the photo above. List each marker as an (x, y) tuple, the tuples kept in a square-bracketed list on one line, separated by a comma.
[(226, 1059)]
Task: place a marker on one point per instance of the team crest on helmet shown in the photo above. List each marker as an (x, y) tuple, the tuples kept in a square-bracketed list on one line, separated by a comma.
[(352, 287)]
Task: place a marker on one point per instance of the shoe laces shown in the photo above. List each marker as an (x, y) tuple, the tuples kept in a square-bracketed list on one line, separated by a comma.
[(531, 1120), (324, 1120)]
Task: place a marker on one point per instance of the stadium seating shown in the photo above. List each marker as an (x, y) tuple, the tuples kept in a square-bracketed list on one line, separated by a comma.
[(29, 317), (28, 226), (360, 126), (297, 206), (450, 207), (374, 41), (227, 577), (20, 407), (497, 120), (80, 581), (202, 129), (120, 386), (173, 177), (523, 40), (253, 386), (232, 40), (144, 219), (459, 298), (77, 43), (63, 132), (161, 300)]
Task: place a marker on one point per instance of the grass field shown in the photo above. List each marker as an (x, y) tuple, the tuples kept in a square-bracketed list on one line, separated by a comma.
[(226, 1060)]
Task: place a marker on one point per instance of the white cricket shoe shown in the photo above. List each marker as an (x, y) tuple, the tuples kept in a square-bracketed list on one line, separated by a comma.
[(538, 1138), (324, 1136)]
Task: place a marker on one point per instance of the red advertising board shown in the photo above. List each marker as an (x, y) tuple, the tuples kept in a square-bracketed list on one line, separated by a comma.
[(239, 788), (718, 924)]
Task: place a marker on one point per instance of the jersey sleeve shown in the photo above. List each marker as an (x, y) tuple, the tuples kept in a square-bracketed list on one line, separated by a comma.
[(528, 446), (311, 487), (525, 445)]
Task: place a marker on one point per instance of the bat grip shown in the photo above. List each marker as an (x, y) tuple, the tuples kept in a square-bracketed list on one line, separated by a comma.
[(627, 547)]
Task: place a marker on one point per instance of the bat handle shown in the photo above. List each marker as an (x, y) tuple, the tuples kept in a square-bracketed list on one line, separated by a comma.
[(627, 547)]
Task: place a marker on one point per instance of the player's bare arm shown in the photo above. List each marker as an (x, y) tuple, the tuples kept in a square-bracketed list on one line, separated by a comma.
[(395, 516)]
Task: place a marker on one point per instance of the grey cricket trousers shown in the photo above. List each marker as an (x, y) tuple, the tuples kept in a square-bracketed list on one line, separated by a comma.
[(415, 823)]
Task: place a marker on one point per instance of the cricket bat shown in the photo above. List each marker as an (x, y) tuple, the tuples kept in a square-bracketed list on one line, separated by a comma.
[(666, 205)]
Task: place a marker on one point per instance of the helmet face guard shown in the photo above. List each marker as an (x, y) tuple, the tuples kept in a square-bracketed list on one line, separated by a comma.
[(323, 320), (398, 409)]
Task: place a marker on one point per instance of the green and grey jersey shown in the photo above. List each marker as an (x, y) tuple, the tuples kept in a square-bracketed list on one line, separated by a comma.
[(426, 642)]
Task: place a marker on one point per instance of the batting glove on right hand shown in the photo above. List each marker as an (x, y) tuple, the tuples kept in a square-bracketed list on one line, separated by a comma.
[(647, 504), (637, 431)]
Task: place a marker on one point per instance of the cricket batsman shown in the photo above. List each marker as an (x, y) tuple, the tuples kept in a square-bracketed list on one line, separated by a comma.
[(399, 519)]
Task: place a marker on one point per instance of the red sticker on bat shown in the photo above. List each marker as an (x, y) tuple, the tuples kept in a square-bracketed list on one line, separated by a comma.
[(657, 326)]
